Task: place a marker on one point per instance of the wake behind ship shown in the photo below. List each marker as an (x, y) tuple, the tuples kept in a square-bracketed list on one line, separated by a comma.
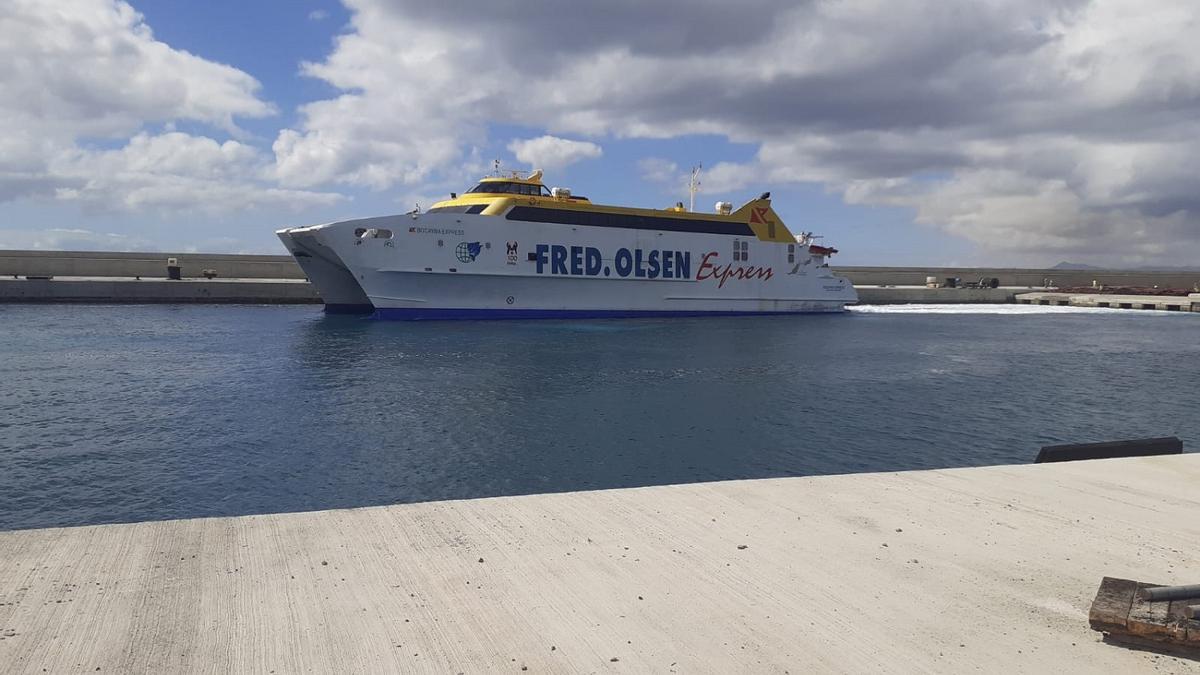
[(509, 248)]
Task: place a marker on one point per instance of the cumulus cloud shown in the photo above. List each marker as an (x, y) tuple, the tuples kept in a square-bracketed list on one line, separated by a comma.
[(176, 172), (552, 152), (1021, 125), (721, 178), (81, 76), (659, 170), (70, 239)]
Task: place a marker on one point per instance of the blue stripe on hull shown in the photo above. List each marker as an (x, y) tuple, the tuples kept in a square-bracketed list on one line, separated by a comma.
[(431, 314), (347, 308)]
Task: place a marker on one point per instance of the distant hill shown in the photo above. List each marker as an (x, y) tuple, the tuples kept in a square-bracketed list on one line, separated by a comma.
[(1070, 266)]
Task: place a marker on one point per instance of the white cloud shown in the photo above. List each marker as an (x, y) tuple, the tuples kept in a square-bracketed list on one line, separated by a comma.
[(1070, 123), (318, 15), (407, 110), (719, 179), (70, 239), (725, 177), (177, 172), (659, 170), (552, 152), (81, 75), (92, 69)]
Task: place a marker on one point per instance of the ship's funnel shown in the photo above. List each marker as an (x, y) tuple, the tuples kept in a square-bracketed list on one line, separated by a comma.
[(761, 218)]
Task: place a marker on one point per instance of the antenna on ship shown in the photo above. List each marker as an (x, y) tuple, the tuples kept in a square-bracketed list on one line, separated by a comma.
[(496, 167), (694, 187)]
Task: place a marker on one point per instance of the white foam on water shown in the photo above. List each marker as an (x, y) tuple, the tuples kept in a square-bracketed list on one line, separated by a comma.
[(999, 309)]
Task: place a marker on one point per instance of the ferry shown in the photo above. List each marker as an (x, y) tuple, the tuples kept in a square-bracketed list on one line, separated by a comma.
[(510, 248)]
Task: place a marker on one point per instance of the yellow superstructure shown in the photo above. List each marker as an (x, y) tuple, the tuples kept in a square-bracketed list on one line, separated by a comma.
[(496, 195)]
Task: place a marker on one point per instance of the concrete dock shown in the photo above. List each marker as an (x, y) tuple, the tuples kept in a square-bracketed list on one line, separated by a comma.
[(100, 276), (982, 570), (147, 291), (146, 264), (1168, 303), (128, 290), (908, 295), (242, 266)]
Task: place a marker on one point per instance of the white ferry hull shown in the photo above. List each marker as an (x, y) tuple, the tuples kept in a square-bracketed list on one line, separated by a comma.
[(459, 266), (336, 285), (407, 295)]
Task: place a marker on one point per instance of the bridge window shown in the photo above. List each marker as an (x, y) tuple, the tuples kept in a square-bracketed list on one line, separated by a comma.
[(509, 188), (538, 214), (472, 208)]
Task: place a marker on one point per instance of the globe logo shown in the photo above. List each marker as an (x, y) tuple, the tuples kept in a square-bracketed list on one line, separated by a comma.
[(467, 251)]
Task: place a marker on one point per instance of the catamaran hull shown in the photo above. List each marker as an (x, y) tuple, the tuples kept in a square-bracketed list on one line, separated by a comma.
[(415, 296), (335, 284), (462, 266)]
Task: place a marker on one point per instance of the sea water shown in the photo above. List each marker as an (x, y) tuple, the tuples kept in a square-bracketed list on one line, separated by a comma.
[(129, 413)]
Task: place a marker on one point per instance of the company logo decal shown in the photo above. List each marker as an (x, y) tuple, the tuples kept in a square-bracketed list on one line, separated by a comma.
[(759, 215), (468, 251), (511, 250), (589, 262), (435, 230), (724, 273)]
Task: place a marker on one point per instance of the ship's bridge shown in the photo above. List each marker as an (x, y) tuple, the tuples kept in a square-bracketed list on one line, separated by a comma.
[(526, 198), (509, 186), (515, 184), (493, 194)]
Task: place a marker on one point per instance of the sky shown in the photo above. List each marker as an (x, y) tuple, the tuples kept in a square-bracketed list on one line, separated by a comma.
[(906, 132)]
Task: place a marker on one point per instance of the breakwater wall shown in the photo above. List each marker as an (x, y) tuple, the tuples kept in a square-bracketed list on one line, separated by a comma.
[(147, 290), (153, 291), (908, 295), (124, 264), (1168, 303), (1012, 276), (127, 264)]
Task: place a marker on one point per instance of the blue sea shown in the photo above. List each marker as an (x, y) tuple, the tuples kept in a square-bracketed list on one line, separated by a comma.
[(131, 413)]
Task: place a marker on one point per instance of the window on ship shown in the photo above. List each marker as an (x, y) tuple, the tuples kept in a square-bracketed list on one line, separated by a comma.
[(496, 187), (741, 250)]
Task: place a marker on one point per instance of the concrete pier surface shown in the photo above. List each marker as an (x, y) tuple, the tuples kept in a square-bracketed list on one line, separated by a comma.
[(145, 291), (981, 570), (128, 290), (908, 295), (99, 276), (147, 264), (1168, 303)]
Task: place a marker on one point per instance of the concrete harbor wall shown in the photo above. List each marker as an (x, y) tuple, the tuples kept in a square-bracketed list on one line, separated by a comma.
[(288, 291), (116, 264), (148, 291), (1169, 303), (113, 264), (948, 571), (907, 295), (82, 276), (915, 276)]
